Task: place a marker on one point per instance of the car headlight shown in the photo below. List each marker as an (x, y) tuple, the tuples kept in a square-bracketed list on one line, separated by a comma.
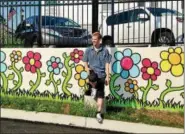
[(51, 32)]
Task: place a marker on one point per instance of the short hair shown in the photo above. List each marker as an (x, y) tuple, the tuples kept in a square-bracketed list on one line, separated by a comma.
[(97, 34)]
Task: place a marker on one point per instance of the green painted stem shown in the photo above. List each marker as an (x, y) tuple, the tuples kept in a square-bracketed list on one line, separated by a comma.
[(51, 76), (5, 82), (168, 90), (38, 81), (19, 75), (136, 95), (86, 87), (68, 75), (113, 89), (147, 89)]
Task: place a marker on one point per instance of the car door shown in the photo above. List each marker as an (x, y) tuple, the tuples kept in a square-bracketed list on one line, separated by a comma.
[(140, 27)]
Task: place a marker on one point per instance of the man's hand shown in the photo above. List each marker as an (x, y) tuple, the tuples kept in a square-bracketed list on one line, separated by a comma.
[(93, 84), (107, 81)]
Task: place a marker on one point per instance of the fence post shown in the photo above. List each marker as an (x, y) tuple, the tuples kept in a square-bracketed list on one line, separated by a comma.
[(40, 22), (94, 15), (112, 26)]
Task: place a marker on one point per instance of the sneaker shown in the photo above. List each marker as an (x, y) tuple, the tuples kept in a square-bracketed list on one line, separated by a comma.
[(93, 93), (99, 118)]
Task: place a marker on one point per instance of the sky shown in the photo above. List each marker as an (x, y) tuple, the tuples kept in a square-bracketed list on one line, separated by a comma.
[(28, 11)]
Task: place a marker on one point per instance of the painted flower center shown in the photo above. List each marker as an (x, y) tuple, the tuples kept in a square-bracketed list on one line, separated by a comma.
[(131, 86), (150, 70), (83, 75), (76, 56), (54, 65), (15, 57), (32, 61), (126, 63), (174, 58)]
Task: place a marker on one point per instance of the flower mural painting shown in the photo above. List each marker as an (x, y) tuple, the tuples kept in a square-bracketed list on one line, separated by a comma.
[(2, 60), (150, 72), (15, 57), (132, 87), (54, 67), (173, 61), (126, 64), (33, 64), (76, 55), (81, 76)]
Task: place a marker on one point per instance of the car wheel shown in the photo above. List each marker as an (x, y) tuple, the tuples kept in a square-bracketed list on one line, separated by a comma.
[(165, 39), (108, 42), (27, 44)]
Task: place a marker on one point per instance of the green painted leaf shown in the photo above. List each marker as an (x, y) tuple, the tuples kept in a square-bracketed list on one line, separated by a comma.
[(48, 82), (155, 87), (72, 65), (14, 82), (69, 85), (11, 76), (117, 88), (168, 83), (59, 82), (31, 83), (21, 69), (64, 74), (43, 74), (10, 67), (64, 55), (142, 88), (182, 94)]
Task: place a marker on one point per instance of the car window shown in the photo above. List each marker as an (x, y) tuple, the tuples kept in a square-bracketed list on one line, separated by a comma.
[(30, 20), (136, 13), (120, 18), (164, 12)]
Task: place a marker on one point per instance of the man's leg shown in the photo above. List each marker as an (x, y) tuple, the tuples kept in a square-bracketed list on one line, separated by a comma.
[(100, 102)]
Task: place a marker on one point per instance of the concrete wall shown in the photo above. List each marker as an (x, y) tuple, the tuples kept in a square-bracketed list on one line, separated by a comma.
[(140, 77)]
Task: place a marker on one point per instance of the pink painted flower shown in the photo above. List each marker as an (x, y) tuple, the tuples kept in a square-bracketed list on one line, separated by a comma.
[(32, 61), (76, 55), (150, 70)]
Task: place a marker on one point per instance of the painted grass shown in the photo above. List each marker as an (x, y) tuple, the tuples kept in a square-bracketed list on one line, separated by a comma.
[(78, 108)]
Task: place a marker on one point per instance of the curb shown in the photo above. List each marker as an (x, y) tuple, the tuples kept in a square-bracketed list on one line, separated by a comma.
[(110, 125)]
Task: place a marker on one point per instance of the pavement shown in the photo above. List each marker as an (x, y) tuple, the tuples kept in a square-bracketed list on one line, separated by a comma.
[(86, 122)]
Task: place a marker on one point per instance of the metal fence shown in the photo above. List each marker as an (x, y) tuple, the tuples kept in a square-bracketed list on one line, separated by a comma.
[(70, 23)]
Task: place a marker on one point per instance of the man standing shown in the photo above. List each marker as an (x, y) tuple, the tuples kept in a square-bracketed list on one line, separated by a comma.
[(97, 58)]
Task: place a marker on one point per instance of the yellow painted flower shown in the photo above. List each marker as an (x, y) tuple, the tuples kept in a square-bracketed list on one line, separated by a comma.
[(173, 61), (81, 75), (15, 56), (131, 86)]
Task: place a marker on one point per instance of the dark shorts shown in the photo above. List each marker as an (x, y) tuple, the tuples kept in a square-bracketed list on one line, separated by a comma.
[(100, 86)]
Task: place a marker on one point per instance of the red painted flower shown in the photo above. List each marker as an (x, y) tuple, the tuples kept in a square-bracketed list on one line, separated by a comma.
[(76, 55), (150, 70), (32, 61)]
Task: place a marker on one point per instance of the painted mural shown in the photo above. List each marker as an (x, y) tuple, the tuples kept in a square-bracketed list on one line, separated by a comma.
[(140, 77)]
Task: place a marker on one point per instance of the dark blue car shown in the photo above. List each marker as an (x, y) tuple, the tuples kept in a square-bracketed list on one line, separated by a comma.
[(54, 32)]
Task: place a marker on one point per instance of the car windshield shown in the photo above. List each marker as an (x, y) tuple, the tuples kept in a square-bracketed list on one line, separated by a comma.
[(55, 21), (164, 12)]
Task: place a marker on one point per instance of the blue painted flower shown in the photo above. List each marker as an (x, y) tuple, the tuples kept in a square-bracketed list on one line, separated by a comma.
[(126, 63), (3, 66), (54, 65)]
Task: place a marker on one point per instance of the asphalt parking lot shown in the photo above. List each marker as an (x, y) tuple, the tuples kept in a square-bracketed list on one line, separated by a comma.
[(18, 127)]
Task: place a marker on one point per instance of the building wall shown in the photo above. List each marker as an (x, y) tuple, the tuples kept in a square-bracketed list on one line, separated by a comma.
[(140, 77)]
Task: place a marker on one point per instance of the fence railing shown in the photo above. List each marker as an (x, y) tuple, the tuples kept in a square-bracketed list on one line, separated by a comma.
[(70, 23)]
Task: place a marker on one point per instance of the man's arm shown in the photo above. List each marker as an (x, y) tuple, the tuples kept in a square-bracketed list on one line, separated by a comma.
[(86, 67), (107, 71)]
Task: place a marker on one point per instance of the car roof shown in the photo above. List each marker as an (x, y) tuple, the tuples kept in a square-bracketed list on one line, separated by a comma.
[(49, 17)]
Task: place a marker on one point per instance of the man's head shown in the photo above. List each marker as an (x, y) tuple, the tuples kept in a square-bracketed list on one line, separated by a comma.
[(96, 39)]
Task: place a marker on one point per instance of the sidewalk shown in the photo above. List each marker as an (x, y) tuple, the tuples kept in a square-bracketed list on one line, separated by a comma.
[(85, 122)]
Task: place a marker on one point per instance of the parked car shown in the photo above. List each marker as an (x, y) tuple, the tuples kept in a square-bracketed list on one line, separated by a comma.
[(55, 32), (144, 25)]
